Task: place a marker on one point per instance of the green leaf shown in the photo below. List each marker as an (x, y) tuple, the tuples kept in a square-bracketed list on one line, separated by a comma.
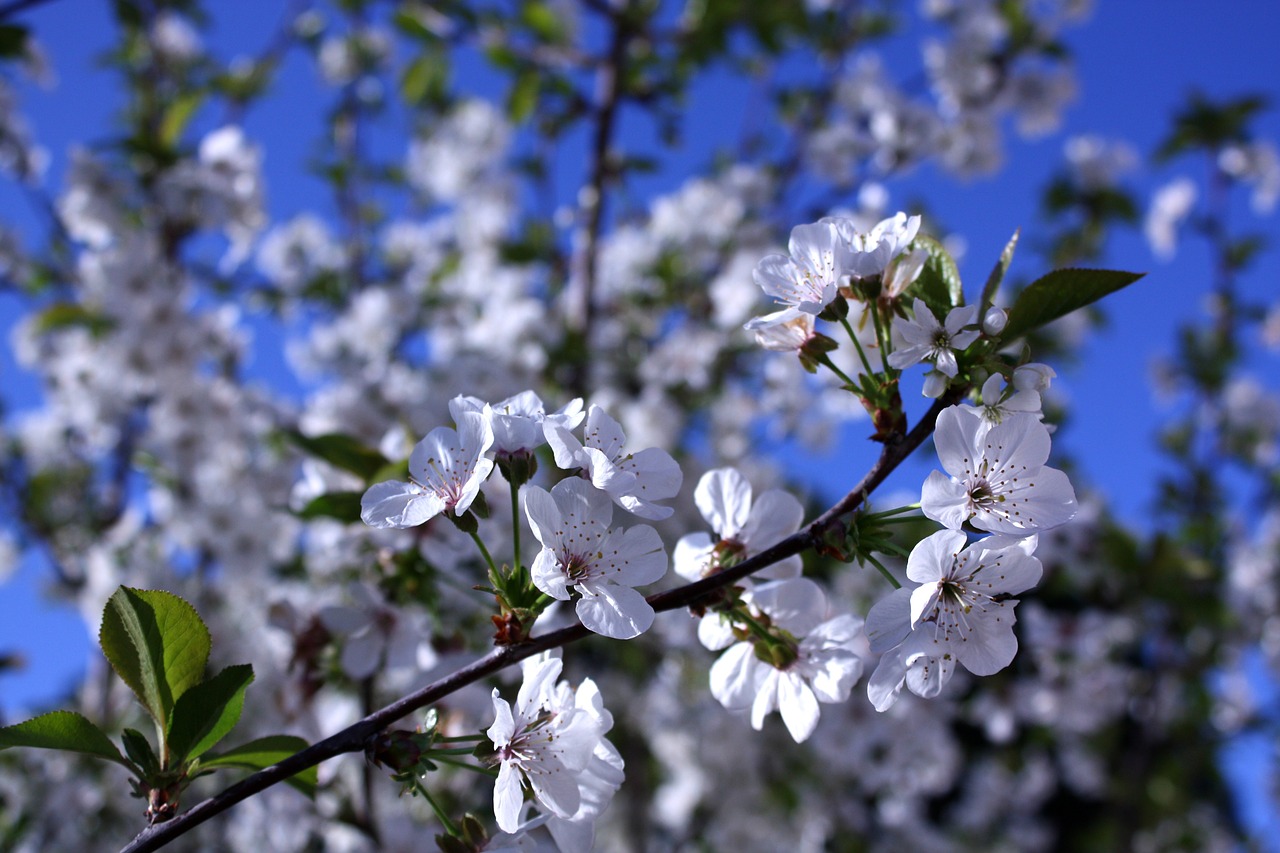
[(65, 730), (997, 275), (426, 79), (939, 281), (543, 21), (342, 451), (264, 752), (1059, 293), (139, 750), (65, 315), (523, 97), (157, 644), (178, 115), (207, 713), (344, 506)]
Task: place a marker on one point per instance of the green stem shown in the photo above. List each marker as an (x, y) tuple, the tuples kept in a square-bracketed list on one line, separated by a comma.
[(881, 335), (515, 525), (461, 739), (462, 765), (485, 551), (826, 362), (456, 750), (887, 574), (866, 365), (888, 513), (448, 824)]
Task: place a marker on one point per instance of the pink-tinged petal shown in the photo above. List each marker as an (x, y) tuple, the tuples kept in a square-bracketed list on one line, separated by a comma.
[(692, 555), (723, 497), (733, 677), (398, 504), (933, 555), (549, 576), (797, 605), (614, 611), (508, 797), (798, 705), (889, 621), (944, 501), (479, 473), (774, 516)]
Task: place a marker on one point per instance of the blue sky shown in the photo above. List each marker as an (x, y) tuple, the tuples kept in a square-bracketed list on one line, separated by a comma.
[(1136, 61)]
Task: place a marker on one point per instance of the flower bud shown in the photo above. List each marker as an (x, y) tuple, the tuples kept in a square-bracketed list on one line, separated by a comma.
[(994, 321)]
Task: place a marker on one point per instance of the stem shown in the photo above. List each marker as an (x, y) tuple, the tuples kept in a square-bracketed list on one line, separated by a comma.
[(475, 537), (887, 574), (515, 528), (449, 825), (866, 365), (462, 765), (844, 377)]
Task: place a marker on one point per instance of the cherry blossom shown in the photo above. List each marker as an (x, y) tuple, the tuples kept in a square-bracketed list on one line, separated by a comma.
[(579, 552), (925, 339), (445, 472), (633, 480), (745, 528), (996, 477), (821, 665), (544, 742), (961, 612)]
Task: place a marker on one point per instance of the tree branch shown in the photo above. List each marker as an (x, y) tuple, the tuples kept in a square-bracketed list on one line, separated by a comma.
[(353, 738)]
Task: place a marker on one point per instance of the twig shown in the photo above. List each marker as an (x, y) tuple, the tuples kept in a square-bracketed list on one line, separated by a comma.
[(353, 738)]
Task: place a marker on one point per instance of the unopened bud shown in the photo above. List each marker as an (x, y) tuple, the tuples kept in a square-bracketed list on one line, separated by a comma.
[(1033, 377), (994, 321)]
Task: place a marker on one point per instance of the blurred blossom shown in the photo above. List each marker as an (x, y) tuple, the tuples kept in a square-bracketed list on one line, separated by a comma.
[(1097, 163), (1171, 204)]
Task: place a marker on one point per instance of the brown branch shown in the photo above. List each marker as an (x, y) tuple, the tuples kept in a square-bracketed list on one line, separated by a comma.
[(353, 738)]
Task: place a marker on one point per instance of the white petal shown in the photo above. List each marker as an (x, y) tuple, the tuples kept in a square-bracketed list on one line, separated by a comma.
[(944, 500), (398, 504), (549, 576), (798, 705), (733, 677), (889, 620), (508, 797), (723, 497), (797, 605), (692, 555), (933, 555), (775, 516), (615, 611)]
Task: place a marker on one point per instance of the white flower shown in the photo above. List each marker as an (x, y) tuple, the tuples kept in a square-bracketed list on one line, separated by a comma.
[(602, 566), (998, 480), (871, 252), (1171, 204), (823, 667), (785, 335), (924, 338), (543, 742), (633, 480), (518, 421), (445, 472), (743, 528), (960, 612), (808, 278), (998, 401)]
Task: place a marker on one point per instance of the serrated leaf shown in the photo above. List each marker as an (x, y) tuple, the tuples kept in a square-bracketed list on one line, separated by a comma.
[(157, 644), (139, 750), (207, 713), (1059, 293), (341, 451), (997, 275), (264, 752), (344, 506), (65, 730), (939, 282)]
